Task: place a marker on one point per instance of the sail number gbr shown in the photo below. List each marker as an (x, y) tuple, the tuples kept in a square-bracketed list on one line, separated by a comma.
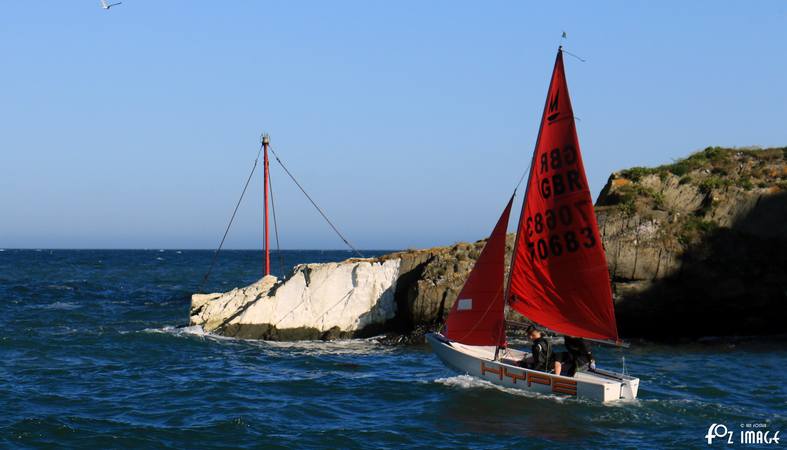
[(567, 179), (556, 243)]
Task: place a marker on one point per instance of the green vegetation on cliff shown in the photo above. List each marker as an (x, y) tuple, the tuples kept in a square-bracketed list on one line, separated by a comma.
[(717, 159), (696, 191), (699, 243)]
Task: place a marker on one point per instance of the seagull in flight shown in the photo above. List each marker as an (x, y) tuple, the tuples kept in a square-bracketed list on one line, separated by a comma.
[(105, 5)]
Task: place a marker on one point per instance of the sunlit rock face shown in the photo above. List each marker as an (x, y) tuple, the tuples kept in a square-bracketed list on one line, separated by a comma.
[(402, 294), (316, 301)]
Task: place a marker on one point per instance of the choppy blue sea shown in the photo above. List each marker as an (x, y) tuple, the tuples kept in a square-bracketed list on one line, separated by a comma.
[(92, 356)]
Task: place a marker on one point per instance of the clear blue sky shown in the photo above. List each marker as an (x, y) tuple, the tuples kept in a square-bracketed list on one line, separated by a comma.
[(409, 122)]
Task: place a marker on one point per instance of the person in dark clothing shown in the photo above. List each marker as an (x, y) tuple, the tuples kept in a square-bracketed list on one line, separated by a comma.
[(578, 357), (541, 351)]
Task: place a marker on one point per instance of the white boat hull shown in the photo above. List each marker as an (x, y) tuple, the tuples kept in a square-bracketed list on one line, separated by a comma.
[(478, 361)]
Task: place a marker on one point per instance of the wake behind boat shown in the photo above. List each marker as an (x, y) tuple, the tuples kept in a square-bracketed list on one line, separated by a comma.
[(558, 277)]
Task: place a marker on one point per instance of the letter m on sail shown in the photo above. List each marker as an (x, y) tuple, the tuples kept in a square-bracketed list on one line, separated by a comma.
[(553, 103)]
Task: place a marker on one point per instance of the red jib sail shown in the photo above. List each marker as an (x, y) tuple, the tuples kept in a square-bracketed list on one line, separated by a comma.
[(477, 315), (559, 275)]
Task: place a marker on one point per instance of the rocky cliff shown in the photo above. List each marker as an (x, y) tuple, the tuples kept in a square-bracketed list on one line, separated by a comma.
[(695, 248), (699, 247)]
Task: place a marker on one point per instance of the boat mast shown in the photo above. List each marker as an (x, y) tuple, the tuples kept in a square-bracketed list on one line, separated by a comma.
[(511, 267), (265, 142)]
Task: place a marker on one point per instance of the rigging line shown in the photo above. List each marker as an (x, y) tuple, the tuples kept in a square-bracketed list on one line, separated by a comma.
[(276, 227), (304, 298), (344, 297), (575, 56), (522, 178), (232, 218), (315, 204)]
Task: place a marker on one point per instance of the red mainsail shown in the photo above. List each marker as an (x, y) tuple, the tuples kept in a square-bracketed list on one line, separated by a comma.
[(477, 315), (559, 275)]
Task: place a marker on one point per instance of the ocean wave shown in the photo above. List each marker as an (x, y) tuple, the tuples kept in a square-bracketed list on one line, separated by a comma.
[(193, 330), (64, 306), (470, 382), (190, 331), (364, 346), (60, 287), (359, 346), (464, 381), (343, 347)]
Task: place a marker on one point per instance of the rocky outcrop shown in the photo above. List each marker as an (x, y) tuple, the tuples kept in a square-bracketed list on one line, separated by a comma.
[(396, 293), (317, 301), (694, 248), (699, 247)]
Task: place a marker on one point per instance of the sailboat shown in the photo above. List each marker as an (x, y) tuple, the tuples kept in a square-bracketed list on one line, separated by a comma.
[(558, 273)]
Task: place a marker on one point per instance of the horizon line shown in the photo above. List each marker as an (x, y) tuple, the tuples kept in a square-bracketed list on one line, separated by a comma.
[(155, 249)]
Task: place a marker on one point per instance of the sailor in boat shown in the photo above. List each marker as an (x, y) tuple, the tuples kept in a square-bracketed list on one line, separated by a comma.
[(577, 357), (541, 357)]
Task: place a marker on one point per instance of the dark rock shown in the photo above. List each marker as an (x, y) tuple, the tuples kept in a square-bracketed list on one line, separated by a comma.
[(332, 334)]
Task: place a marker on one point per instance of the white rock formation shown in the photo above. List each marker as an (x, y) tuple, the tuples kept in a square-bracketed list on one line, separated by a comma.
[(349, 295)]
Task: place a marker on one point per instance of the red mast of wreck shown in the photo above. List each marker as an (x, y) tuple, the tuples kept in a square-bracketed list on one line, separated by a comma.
[(265, 142)]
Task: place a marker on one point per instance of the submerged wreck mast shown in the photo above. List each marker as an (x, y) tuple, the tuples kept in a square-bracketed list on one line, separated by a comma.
[(266, 140)]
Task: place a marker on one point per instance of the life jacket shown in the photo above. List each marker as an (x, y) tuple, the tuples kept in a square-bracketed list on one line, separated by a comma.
[(578, 350), (542, 354)]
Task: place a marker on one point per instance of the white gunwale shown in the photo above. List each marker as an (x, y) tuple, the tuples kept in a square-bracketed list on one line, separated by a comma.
[(479, 361)]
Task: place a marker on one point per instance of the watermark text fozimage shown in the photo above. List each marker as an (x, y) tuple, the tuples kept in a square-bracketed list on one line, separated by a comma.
[(750, 433)]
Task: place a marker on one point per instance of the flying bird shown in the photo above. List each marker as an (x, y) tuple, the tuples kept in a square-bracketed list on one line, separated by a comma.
[(105, 5)]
